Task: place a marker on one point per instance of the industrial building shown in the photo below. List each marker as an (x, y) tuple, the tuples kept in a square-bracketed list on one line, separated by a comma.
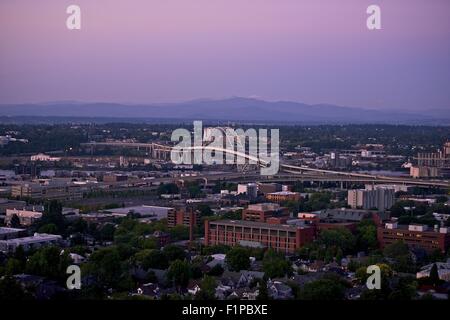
[(280, 237), (49, 191), (415, 236), (26, 217), (340, 218), (143, 211), (432, 164), (27, 243), (11, 233)]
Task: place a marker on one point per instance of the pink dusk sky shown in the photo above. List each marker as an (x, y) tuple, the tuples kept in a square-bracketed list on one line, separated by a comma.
[(143, 51)]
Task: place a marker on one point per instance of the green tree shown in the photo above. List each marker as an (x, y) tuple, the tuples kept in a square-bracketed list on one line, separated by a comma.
[(107, 232), (20, 255), (338, 238), (168, 188), (205, 210), (263, 294), (15, 221), (317, 201), (362, 275), (406, 289), (275, 265), (13, 266), (232, 215), (434, 275), (397, 210), (220, 248), (173, 252), (323, 289), (293, 206), (396, 249), (78, 225), (50, 228), (194, 191), (48, 262), (10, 290), (105, 265), (179, 272), (399, 253), (151, 259), (366, 235), (216, 271), (53, 215), (238, 259), (149, 243), (179, 232), (207, 288)]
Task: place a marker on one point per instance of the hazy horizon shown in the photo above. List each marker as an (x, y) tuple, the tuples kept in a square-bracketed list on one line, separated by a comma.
[(171, 51), (175, 102)]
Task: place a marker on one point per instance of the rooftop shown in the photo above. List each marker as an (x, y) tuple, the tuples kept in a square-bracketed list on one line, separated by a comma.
[(252, 224), (142, 210), (439, 265), (283, 193), (268, 206), (38, 237), (24, 213), (343, 214), (4, 230), (415, 227)]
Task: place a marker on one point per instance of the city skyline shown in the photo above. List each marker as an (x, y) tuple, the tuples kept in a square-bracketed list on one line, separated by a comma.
[(213, 158), (169, 51)]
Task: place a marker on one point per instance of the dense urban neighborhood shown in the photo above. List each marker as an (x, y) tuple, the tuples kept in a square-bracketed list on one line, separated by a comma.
[(106, 200)]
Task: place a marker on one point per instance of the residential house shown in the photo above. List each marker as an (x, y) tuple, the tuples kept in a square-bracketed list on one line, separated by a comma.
[(193, 287), (149, 289), (443, 269), (279, 290)]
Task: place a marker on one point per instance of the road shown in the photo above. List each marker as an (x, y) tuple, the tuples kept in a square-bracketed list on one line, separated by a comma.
[(297, 173)]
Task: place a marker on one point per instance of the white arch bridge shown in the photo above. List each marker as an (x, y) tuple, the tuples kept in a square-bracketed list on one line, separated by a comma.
[(163, 152)]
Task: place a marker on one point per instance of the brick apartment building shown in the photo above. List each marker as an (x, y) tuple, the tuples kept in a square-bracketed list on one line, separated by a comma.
[(415, 236), (280, 237), (341, 218), (283, 196), (262, 211), (183, 217), (267, 225)]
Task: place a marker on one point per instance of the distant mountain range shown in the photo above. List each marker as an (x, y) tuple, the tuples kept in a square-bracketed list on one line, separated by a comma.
[(230, 109)]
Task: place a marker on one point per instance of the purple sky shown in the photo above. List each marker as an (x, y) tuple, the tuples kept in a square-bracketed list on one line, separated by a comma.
[(312, 51)]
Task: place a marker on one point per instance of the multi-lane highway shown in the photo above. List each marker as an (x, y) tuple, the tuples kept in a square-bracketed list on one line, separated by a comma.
[(293, 172)]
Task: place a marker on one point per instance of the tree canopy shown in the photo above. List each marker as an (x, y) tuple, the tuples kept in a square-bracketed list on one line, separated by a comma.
[(238, 259), (275, 265)]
